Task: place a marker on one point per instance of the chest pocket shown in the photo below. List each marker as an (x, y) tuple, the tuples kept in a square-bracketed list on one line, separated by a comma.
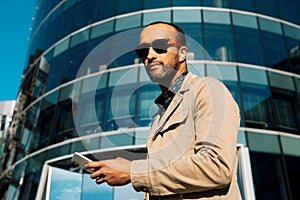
[(176, 119)]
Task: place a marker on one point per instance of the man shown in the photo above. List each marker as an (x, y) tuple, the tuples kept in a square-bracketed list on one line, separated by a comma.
[(192, 142)]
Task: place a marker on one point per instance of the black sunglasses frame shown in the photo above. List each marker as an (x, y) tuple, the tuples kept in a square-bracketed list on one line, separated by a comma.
[(160, 46)]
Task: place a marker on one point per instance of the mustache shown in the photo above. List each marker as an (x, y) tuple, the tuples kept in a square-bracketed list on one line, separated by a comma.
[(155, 63)]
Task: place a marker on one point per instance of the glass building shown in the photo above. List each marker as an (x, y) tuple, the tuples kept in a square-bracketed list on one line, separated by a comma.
[(83, 89)]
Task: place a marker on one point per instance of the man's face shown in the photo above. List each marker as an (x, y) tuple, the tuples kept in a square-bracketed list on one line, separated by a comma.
[(161, 65)]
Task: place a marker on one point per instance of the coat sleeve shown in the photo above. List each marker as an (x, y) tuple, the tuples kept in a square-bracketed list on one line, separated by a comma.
[(213, 161)]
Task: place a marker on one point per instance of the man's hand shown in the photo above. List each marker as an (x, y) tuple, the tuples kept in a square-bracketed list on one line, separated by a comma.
[(115, 172)]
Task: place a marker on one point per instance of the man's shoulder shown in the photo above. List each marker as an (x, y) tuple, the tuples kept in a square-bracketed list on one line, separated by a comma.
[(198, 81)]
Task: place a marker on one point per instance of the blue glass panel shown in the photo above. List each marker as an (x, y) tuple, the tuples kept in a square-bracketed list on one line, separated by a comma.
[(156, 16), (215, 3), (84, 14), (244, 20), (149, 4), (54, 24), (267, 7), (127, 192), (292, 32), (80, 37), (274, 49), (218, 42), (267, 168), (124, 7), (117, 140), (270, 26), (247, 74), (65, 184), (287, 110), (216, 17), (104, 9), (257, 106), (246, 5), (263, 143), (67, 19), (102, 29), (75, 58), (57, 66), (288, 11), (248, 46), (186, 16), (120, 108), (128, 22), (90, 189), (292, 163), (91, 105), (147, 92), (186, 3), (281, 81)]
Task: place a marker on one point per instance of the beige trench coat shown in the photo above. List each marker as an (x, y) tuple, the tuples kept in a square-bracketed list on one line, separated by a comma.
[(192, 150)]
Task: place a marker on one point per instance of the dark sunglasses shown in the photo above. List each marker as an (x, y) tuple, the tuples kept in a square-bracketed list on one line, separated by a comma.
[(159, 46)]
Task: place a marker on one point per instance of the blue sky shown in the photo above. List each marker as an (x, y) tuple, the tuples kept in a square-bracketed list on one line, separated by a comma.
[(15, 20)]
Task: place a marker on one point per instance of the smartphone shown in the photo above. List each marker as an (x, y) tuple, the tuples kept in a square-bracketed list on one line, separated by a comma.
[(81, 160)]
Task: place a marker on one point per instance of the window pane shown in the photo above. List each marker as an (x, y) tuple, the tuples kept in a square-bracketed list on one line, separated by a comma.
[(216, 3), (246, 5), (193, 32), (84, 14), (281, 81), (222, 72), (127, 192), (61, 47), (216, 17), (290, 145), (244, 20), (247, 74), (74, 61), (80, 37), (292, 168), (263, 143), (187, 16), (90, 190), (266, 7), (102, 29), (248, 46), (256, 98), (125, 7), (104, 9), (156, 16), (288, 10), (186, 3), (218, 42), (291, 32), (267, 168), (128, 22), (91, 105), (274, 49), (120, 106), (148, 92), (287, 110), (117, 140), (67, 19), (149, 4), (270, 26), (65, 184)]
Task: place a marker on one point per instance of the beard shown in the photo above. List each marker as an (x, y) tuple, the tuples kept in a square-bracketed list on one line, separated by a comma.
[(163, 74)]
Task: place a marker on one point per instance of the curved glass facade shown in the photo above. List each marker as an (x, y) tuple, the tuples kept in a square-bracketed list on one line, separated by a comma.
[(67, 103)]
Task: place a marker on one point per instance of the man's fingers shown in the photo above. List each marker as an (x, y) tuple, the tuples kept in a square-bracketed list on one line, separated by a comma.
[(97, 164), (100, 180)]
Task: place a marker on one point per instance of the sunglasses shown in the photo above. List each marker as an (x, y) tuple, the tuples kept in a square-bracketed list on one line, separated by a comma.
[(159, 46)]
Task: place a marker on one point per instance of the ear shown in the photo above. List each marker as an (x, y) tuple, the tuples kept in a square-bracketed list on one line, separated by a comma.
[(182, 53)]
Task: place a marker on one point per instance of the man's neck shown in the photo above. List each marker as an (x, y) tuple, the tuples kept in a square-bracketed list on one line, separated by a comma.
[(164, 87)]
